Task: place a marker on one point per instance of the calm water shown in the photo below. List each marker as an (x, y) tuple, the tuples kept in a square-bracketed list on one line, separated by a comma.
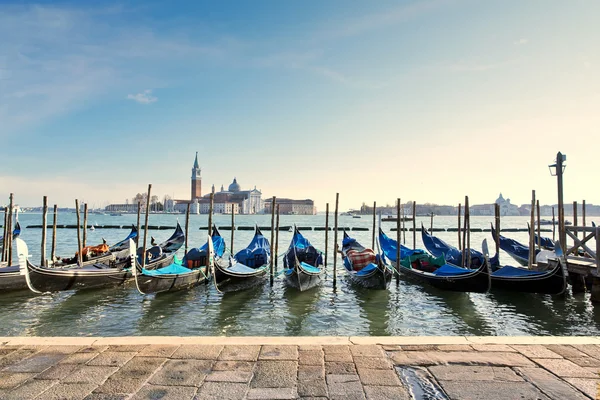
[(405, 309)]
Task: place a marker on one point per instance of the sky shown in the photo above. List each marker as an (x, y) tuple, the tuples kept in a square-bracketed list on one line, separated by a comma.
[(426, 100)]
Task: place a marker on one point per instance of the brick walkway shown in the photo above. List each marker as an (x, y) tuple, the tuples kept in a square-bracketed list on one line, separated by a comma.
[(317, 368)]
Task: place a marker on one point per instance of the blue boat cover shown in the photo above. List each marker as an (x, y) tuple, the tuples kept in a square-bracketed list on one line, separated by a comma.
[(200, 252), (257, 253), (439, 248), (511, 246), (389, 248), (451, 270), (303, 250), (124, 244), (173, 269), (310, 268), (514, 271)]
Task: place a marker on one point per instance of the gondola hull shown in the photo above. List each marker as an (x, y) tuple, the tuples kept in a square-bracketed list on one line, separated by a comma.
[(300, 279), (380, 279), (11, 279), (171, 282), (478, 281), (554, 282), (230, 281), (89, 277)]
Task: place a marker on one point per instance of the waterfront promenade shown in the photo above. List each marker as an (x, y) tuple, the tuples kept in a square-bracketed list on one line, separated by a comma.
[(456, 367)]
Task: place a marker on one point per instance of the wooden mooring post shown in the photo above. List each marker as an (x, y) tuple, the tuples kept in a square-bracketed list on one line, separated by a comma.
[(85, 215), (431, 224), (497, 226), (460, 247), (232, 227), (374, 217), (79, 249), (4, 235), (583, 213), (595, 296), (187, 227), (553, 225), (146, 229), (54, 220), (398, 233), (277, 237), (137, 238), (335, 239), (44, 223), (531, 260), (414, 216), (326, 236), (467, 235), (539, 225), (9, 232), (272, 270), (575, 217), (210, 212)]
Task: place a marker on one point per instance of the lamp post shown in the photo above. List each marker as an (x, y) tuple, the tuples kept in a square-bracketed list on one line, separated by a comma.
[(557, 170)]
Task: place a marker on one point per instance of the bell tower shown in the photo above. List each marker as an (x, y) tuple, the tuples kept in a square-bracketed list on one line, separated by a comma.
[(196, 180)]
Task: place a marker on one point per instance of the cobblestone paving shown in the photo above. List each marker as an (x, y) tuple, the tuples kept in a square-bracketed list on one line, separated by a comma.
[(189, 371)]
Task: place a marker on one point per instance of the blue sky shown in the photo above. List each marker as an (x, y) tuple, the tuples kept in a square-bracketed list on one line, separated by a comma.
[(425, 100)]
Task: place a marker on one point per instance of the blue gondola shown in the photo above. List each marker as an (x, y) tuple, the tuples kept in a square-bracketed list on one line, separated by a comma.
[(191, 271), (375, 274), (303, 263), (434, 270), (247, 268)]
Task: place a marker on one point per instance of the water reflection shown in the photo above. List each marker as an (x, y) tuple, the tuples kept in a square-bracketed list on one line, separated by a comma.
[(300, 306)]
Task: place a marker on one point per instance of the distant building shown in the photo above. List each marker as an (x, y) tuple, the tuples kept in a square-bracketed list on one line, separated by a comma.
[(293, 207), (506, 208), (242, 201), (126, 208)]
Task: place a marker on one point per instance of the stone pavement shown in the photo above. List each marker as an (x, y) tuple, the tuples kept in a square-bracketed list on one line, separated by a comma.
[(307, 368)]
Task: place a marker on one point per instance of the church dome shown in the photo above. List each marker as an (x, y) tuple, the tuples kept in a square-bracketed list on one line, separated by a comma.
[(234, 187)]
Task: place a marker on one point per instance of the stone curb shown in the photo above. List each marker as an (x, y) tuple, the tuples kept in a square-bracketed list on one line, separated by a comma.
[(299, 340)]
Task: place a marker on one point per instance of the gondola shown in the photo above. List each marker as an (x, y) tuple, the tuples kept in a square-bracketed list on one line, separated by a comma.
[(191, 271), (94, 274), (515, 249), (246, 269), (551, 281), (302, 263), (436, 272), (451, 254), (11, 278), (43, 279), (365, 268)]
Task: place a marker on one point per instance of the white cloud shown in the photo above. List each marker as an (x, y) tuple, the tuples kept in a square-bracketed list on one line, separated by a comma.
[(143, 98), (521, 41)]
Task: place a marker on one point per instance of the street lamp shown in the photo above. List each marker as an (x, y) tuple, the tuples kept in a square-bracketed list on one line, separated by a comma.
[(557, 170)]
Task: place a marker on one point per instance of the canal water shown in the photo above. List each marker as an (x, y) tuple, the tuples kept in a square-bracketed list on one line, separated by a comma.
[(405, 309)]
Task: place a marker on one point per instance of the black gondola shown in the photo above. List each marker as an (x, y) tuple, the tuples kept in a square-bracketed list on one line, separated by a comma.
[(247, 268), (551, 281), (365, 268), (303, 263), (434, 270), (12, 279)]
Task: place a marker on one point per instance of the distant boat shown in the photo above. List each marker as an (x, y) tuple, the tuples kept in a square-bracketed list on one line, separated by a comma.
[(394, 218), (550, 222), (116, 214), (356, 216)]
